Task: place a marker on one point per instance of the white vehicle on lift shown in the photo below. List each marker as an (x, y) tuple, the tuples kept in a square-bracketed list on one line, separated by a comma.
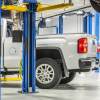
[(59, 57)]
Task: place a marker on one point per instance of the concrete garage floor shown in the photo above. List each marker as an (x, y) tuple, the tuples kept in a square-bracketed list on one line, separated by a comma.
[(86, 86)]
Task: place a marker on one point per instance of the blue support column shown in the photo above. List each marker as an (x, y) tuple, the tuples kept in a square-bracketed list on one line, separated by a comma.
[(0, 35), (60, 24), (33, 47), (97, 30), (0, 47), (25, 80), (29, 47), (85, 24), (89, 24)]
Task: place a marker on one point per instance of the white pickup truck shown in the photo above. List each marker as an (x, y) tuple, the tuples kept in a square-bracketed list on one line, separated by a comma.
[(59, 57)]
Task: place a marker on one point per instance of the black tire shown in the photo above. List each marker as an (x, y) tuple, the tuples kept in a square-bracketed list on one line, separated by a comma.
[(68, 79), (56, 69), (95, 4)]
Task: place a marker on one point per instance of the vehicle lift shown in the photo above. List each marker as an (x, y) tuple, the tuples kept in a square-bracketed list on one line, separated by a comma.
[(29, 9)]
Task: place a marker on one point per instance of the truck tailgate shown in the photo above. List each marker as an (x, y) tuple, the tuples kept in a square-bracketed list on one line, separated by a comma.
[(92, 45)]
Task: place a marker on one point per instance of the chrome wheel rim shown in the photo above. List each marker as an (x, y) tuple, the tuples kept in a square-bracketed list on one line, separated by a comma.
[(44, 73)]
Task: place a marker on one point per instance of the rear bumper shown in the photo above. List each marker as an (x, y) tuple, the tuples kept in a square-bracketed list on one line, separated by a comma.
[(88, 63)]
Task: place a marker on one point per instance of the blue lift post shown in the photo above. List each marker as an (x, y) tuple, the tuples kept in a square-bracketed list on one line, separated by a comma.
[(89, 23), (60, 24), (85, 24), (0, 48), (97, 30), (97, 33), (0, 36), (29, 47)]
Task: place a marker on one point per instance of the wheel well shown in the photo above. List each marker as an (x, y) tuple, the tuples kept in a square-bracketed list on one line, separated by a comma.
[(48, 53), (51, 53)]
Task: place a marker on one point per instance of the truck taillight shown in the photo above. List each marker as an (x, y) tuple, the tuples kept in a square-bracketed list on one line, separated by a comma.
[(82, 45), (98, 48)]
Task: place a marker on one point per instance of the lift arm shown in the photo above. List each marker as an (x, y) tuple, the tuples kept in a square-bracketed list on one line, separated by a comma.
[(40, 7), (19, 8)]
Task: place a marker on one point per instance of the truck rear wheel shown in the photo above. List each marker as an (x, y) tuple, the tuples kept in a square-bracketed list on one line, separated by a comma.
[(68, 79), (48, 73)]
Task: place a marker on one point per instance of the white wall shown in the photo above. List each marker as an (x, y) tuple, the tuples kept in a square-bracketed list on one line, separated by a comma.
[(51, 30), (72, 24)]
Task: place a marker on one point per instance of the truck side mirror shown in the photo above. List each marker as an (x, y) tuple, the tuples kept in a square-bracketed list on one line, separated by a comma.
[(17, 36), (95, 4)]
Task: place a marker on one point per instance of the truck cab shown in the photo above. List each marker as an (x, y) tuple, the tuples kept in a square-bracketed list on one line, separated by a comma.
[(11, 46)]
